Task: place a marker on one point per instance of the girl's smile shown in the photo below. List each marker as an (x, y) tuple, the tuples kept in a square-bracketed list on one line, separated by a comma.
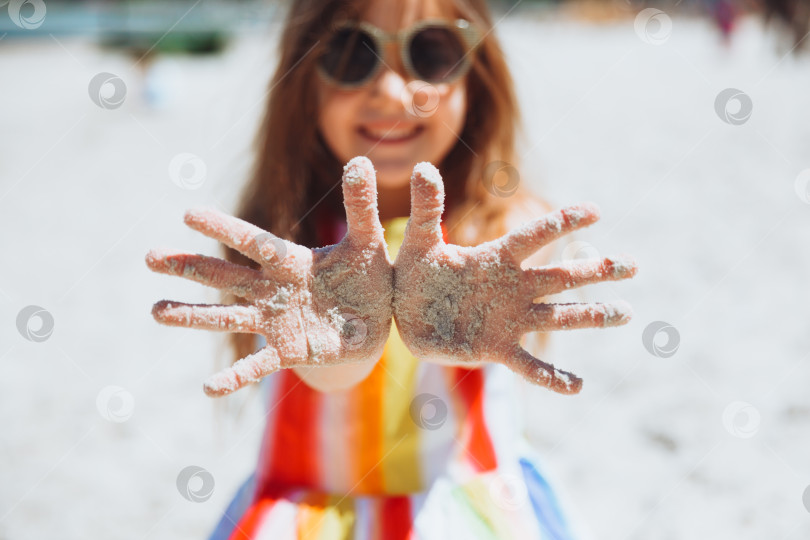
[(389, 133)]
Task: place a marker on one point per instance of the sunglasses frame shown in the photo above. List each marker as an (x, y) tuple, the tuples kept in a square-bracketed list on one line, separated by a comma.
[(468, 36)]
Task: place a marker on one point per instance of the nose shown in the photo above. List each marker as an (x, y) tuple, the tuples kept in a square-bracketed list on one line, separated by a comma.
[(387, 88)]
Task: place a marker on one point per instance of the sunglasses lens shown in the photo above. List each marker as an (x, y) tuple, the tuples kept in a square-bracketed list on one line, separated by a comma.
[(350, 56), (436, 54)]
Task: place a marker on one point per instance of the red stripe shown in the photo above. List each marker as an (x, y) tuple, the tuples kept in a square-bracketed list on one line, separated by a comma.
[(470, 385), (478, 443), (249, 525), (293, 443), (395, 518)]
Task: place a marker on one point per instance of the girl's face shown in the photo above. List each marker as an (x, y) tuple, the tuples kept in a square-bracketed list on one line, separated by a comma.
[(386, 121)]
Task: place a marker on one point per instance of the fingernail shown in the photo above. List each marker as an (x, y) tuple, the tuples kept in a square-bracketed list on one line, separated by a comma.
[(617, 313), (622, 266), (357, 170), (428, 173)]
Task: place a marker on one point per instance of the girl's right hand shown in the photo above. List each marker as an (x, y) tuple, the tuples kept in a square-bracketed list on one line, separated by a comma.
[(315, 307)]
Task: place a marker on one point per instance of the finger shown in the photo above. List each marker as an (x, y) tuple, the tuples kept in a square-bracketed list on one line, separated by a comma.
[(230, 318), (427, 205), (549, 317), (541, 373), (210, 271), (528, 238), (243, 372), (553, 279), (248, 239), (360, 200)]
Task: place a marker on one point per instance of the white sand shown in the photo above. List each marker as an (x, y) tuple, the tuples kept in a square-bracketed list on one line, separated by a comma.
[(707, 209)]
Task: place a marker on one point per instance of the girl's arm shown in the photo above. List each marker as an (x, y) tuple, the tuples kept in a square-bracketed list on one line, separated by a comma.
[(334, 378)]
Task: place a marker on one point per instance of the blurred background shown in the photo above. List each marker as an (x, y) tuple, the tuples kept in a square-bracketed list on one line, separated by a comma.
[(688, 123)]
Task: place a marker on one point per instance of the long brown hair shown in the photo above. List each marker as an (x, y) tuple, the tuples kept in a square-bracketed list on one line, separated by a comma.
[(296, 176)]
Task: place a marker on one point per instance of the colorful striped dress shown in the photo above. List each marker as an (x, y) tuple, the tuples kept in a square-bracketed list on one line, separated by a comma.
[(414, 451)]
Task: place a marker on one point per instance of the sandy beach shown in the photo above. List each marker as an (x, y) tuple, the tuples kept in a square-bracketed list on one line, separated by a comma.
[(706, 438)]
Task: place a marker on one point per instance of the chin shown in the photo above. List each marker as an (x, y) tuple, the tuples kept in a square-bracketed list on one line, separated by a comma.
[(393, 177), (393, 184)]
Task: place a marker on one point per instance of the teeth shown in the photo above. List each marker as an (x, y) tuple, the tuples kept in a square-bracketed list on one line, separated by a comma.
[(393, 134)]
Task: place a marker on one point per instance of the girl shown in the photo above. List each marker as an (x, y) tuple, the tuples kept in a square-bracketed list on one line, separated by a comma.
[(378, 429)]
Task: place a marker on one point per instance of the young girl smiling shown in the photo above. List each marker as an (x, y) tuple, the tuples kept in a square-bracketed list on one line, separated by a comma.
[(377, 429)]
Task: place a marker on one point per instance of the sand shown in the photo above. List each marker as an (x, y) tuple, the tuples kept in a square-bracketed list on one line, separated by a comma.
[(709, 211)]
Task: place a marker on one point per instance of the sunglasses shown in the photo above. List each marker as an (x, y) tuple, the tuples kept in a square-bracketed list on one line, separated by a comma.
[(433, 50)]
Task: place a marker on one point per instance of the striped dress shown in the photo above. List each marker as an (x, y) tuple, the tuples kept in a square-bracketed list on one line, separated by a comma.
[(414, 451)]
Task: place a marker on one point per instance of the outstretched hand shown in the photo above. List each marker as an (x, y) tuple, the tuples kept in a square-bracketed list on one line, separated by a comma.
[(315, 307), (462, 305), (333, 305)]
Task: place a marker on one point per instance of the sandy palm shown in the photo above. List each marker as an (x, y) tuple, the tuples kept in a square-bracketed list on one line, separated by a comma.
[(463, 305), (315, 307)]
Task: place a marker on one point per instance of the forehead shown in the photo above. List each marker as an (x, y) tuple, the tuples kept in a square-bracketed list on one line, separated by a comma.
[(393, 15)]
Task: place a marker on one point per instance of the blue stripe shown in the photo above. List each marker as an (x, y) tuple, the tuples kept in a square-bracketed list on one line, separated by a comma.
[(546, 508), (235, 511)]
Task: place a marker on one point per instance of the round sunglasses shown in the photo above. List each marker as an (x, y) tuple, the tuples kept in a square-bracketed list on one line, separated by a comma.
[(433, 50)]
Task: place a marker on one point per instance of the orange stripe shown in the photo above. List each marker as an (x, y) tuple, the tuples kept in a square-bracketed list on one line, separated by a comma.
[(480, 451), (367, 438), (294, 441), (310, 516)]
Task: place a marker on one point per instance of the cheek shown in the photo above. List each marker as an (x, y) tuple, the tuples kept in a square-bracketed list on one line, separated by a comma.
[(336, 115), (456, 109), (448, 122)]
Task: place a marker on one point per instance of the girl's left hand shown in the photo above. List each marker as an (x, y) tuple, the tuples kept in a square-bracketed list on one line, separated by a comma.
[(465, 305)]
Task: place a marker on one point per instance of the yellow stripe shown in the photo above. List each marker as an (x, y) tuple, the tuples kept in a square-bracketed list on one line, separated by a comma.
[(394, 234), (401, 435), (479, 496), (320, 518)]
